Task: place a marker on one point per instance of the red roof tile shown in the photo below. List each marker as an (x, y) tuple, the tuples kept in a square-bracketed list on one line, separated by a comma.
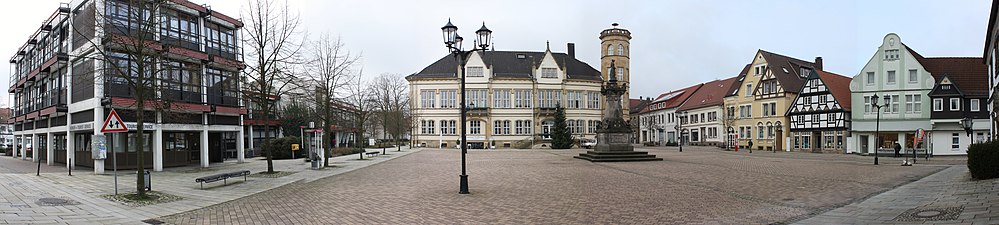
[(672, 99), (839, 86), (711, 94), (969, 74)]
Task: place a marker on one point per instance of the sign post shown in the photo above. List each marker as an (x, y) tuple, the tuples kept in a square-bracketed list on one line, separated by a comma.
[(113, 124)]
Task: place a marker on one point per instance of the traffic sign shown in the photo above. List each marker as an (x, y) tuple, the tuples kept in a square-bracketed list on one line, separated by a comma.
[(113, 124), (294, 147)]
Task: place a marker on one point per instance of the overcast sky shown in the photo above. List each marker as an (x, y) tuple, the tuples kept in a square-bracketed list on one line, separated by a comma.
[(675, 43)]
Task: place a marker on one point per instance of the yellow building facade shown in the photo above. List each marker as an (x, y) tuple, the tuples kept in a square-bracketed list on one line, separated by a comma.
[(757, 103)]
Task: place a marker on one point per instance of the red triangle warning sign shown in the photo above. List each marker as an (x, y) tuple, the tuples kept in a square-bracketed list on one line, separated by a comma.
[(113, 124)]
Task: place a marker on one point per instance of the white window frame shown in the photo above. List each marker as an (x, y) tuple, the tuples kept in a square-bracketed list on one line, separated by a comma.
[(913, 76), (955, 104), (474, 127), (938, 104), (547, 72), (870, 78), (749, 90), (890, 77), (474, 71)]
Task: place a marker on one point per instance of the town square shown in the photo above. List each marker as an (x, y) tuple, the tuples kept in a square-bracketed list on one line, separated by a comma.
[(546, 112)]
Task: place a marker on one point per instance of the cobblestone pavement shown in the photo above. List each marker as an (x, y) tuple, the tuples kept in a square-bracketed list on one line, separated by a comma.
[(10, 164), (21, 195), (947, 197), (701, 185)]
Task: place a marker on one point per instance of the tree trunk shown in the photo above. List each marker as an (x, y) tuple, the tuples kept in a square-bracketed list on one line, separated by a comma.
[(140, 181), (267, 139)]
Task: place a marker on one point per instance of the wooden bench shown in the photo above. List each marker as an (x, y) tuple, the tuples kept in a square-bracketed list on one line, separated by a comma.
[(372, 153), (223, 177)]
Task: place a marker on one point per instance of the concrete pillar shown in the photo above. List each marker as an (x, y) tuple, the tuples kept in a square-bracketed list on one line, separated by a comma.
[(158, 149), (240, 150), (250, 139), (204, 146), (34, 148), (49, 149), (70, 150), (98, 121), (24, 147), (15, 147)]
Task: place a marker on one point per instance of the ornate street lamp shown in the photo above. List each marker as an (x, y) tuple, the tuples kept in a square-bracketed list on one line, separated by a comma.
[(877, 129), (453, 42), (966, 123)]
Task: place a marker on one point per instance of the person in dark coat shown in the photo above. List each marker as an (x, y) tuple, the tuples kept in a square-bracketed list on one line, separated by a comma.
[(898, 149), (750, 146)]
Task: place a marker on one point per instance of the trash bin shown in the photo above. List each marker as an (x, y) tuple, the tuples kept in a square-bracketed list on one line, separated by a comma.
[(315, 161), (146, 177)]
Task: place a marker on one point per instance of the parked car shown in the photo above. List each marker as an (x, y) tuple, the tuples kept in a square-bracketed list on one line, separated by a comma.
[(588, 143)]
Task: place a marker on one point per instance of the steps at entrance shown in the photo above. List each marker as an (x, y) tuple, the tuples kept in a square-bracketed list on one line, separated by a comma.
[(617, 156)]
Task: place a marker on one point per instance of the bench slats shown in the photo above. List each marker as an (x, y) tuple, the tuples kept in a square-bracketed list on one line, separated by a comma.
[(222, 177)]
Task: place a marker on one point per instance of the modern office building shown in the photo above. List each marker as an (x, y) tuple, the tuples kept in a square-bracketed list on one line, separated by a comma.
[(904, 78), (62, 93), (512, 95)]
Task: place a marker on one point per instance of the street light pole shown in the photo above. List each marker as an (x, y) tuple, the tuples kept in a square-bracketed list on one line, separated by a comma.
[(877, 126), (453, 42)]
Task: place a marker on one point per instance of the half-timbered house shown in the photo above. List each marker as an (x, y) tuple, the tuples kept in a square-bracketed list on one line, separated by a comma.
[(820, 115), (762, 94)]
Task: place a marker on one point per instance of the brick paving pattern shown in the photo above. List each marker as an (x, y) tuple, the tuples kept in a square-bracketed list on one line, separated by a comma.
[(699, 185)]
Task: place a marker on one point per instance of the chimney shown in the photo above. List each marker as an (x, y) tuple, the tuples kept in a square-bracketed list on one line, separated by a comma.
[(818, 63), (571, 50)]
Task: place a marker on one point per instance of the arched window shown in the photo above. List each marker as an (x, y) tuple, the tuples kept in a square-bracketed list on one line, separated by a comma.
[(770, 130), (620, 49), (610, 50), (620, 73)]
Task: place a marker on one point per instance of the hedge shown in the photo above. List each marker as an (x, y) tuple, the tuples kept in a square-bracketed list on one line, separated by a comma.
[(983, 160)]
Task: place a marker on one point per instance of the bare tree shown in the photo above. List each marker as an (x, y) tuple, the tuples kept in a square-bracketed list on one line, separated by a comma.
[(272, 44), (391, 100), (136, 64), (330, 67), (359, 97)]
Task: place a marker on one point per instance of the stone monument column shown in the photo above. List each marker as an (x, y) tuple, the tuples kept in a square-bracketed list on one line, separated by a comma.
[(614, 133)]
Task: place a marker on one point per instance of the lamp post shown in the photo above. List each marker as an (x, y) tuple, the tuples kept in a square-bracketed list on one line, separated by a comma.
[(453, 43), (877, 129), (679, 129), (966, 123)]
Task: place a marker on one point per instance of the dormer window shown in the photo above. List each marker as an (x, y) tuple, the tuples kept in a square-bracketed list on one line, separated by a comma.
[(760, 70), (474, 71), (804, 72), (549, 73)]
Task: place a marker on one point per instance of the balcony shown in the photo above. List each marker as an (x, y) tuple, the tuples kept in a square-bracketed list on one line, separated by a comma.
[(477, 111)]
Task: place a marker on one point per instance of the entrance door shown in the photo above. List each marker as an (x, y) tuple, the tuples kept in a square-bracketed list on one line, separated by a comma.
[(816, 141), (546, 129), (779, 143), (662, 138), (864, 145), (215, 153)]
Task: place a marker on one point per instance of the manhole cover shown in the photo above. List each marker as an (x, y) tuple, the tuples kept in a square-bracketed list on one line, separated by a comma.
[(55, 202), (928, 213)]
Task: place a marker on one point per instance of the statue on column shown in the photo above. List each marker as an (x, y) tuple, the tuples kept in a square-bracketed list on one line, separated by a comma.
[(613, 133)]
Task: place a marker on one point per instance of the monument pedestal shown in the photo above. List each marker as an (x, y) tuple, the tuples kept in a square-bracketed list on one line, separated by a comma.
[(613, 133), (614, 147)]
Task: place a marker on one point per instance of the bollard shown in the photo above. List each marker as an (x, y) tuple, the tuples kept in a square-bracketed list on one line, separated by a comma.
[(70, 167), (38, 172)]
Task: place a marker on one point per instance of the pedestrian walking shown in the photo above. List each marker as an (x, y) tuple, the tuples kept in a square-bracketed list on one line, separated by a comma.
[(898, 149)]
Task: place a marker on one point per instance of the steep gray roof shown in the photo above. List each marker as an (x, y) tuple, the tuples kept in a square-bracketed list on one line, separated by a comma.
[(508, 64)]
